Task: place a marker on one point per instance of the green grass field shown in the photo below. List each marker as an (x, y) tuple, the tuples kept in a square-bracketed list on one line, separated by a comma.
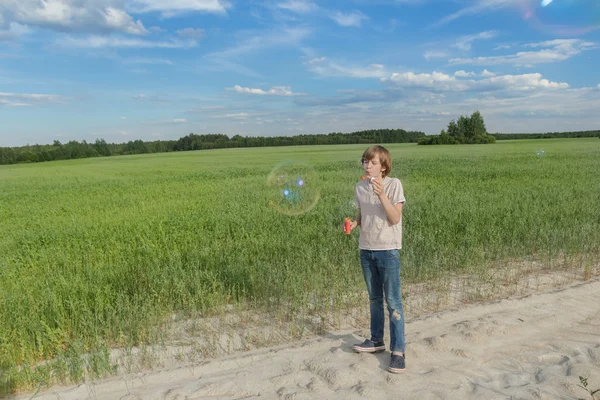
[(95, 253)]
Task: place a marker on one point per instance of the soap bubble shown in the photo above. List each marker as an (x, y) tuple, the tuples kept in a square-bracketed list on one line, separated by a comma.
[(540, 153), (293, 188), (349, 209)]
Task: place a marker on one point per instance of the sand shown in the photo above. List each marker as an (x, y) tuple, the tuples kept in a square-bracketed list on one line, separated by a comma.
[(534, 347)]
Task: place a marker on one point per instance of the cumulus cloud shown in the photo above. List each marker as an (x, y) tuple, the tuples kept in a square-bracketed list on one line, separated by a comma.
[(98, 16), (92, 16), (464, 74), (486, 74), (274, 91), (550, 51)]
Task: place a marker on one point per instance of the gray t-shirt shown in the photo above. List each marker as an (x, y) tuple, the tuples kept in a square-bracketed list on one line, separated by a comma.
[(376, 231)]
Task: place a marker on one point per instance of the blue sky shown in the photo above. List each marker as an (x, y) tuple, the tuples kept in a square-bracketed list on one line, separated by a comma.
[(160, 69)]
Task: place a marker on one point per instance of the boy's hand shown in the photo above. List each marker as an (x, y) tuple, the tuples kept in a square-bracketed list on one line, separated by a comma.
[(378, 187), (353, 225)]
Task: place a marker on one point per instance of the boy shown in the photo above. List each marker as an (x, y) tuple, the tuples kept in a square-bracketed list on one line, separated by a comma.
[(380, 200)]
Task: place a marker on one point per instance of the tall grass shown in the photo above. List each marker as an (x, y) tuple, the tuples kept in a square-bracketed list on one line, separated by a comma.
[(96, 253)]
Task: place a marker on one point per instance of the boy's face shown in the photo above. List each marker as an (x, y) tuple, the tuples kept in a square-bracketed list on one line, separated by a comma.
[(373, 167)]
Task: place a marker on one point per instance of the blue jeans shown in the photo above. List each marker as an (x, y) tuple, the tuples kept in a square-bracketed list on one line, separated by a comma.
[(381, 269)]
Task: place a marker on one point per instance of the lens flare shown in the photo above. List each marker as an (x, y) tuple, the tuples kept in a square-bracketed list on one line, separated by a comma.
[(565, 17)]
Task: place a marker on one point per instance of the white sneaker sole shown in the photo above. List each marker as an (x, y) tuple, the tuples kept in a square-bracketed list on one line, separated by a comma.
[(368, 349)]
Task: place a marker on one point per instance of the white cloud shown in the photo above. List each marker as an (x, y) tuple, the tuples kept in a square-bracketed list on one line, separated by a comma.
[(478, 7), (174, 121), (440, 82), (204, 109), (298, 6), (158, 61), (193, 33), (465, 42), (429, 54), (486, 74), (551, 51), (464, 74), (14, 31), (274, 91), (156, 29), (81, 16), (598, 86), (316, 60), (331, 68), (98, 16), (352, 19), (97, 42), (252, 43), (171, 8), (437, 80), (153, 98), (29, 99), (566, 45), (237, 116), (232, 59)]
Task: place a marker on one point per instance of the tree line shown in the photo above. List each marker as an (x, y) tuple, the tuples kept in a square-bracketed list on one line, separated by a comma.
[(472, 130), (549, 135), (464, 130), (100, 148)]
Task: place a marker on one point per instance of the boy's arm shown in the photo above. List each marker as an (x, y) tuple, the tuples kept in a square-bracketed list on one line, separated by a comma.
[(393, 212), (356, 222)]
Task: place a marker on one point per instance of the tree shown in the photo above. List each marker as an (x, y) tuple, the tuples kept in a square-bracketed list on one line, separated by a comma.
[(102, 147), (467, 130), (477, 124)]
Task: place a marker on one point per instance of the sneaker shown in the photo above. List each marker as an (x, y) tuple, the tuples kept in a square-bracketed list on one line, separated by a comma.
[(397, 364), (369, 346)]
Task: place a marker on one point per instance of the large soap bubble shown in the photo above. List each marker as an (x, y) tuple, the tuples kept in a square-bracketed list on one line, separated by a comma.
[(293, 188)]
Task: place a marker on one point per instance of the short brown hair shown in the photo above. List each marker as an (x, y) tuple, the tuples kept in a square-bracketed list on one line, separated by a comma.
[(384, 157)]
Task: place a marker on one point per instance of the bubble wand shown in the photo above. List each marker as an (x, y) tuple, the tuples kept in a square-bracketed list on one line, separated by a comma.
[(367, 178)]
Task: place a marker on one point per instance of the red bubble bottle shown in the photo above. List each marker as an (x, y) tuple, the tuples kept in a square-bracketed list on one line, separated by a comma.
[(347, 229)]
